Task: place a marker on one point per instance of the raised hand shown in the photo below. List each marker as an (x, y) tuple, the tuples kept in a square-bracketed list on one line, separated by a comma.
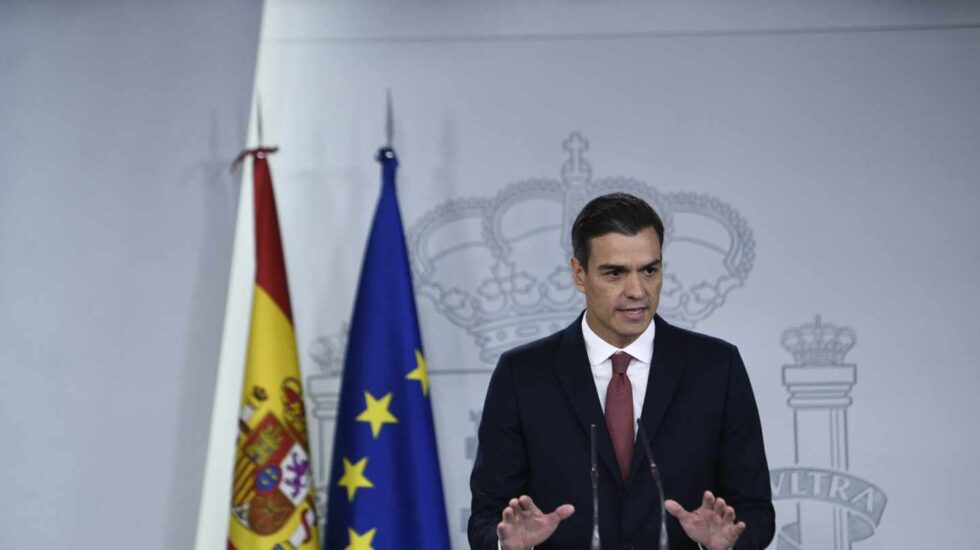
[(524, 525), (712, 525)]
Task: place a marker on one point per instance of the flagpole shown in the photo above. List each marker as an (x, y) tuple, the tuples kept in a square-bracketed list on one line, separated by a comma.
[(260, 150), (389, 121), (258, 119)]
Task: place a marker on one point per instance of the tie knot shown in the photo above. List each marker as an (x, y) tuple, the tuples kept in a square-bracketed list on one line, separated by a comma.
[(620, 362)]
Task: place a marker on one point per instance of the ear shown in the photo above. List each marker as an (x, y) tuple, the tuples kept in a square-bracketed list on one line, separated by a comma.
[(578, 273)]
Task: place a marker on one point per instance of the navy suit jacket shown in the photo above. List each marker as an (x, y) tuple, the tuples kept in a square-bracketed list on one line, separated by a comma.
[(700, 417)]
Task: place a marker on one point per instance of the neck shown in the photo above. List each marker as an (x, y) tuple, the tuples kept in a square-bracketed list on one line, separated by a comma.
[(611, 339)]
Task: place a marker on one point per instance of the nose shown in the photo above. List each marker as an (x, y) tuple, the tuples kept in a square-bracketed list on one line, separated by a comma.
[(633, 287)]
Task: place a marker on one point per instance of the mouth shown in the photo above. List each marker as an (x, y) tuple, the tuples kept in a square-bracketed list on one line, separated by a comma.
[(633, 313)]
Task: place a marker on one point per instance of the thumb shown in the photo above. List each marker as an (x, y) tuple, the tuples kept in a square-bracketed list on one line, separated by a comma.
[(564, 511), (675, 509)]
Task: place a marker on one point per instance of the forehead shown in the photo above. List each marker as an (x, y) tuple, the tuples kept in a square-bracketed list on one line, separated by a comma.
[(619, 249)]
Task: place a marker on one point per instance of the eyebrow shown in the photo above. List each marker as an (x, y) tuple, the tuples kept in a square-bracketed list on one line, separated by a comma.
[(610, 267)]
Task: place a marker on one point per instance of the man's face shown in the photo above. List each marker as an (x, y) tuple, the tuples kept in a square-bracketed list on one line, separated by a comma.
[(621, 285)]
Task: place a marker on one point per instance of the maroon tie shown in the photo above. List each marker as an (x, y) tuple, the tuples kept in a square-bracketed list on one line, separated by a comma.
[(619, 412)]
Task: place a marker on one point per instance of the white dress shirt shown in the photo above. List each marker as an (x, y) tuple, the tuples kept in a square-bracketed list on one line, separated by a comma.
[(600, 355)]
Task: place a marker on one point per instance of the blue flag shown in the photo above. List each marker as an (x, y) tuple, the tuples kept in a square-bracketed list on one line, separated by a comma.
[(385, 491)]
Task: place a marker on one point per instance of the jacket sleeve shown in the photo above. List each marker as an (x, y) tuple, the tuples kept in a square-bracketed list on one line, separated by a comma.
[(743, 473), (500, 470)]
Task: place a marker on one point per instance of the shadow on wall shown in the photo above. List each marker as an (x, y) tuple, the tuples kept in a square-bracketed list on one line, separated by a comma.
[(219, 190)]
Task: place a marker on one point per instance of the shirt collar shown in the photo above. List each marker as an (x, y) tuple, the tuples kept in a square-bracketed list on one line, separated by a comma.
[(599, 350)]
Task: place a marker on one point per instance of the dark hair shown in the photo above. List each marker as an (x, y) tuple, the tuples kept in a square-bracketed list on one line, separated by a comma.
[(613, 213)]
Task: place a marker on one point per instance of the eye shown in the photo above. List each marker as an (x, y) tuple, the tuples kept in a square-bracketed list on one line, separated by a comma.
[(613, 273), (650, 270)]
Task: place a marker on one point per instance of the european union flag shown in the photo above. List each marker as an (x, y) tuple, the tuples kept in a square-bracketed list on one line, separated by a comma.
[(385, 490)]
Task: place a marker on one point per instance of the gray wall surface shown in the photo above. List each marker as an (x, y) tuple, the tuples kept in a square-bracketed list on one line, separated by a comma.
[(118, 123)]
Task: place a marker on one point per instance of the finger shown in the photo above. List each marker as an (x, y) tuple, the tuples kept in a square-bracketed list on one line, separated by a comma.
[(720, 506), (729, 514), (527, 504), (564, 511), (675, 509), (508, 516), (708, 501), (735, 531)]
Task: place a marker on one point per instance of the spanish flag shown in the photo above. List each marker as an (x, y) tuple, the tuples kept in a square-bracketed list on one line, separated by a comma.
[(272, 505)]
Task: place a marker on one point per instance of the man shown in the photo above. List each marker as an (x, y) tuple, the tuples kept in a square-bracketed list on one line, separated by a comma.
[(617, 362)]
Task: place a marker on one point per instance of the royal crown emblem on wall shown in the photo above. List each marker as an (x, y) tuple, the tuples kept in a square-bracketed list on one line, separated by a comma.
[(498, 266)]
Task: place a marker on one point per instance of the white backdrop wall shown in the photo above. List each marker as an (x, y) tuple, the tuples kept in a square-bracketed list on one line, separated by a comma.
[(817, 165), (118, 122)]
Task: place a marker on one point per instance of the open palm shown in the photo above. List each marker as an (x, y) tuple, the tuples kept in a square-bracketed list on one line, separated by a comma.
[(524, 525), (712, 525)]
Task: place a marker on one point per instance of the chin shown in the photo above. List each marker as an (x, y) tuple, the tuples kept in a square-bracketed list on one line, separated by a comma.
[(634, 329)]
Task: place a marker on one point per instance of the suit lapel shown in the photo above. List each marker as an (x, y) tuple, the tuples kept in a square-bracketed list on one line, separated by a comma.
[(575, 375), (666, 367)]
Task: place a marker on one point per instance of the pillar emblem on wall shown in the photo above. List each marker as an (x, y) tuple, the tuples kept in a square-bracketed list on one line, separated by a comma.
[(327, 352), (834, 508)]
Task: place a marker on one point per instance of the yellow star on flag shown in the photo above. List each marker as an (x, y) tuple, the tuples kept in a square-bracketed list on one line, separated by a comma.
[(420, 373), (360, 542), (353, 477), (377, 413)]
